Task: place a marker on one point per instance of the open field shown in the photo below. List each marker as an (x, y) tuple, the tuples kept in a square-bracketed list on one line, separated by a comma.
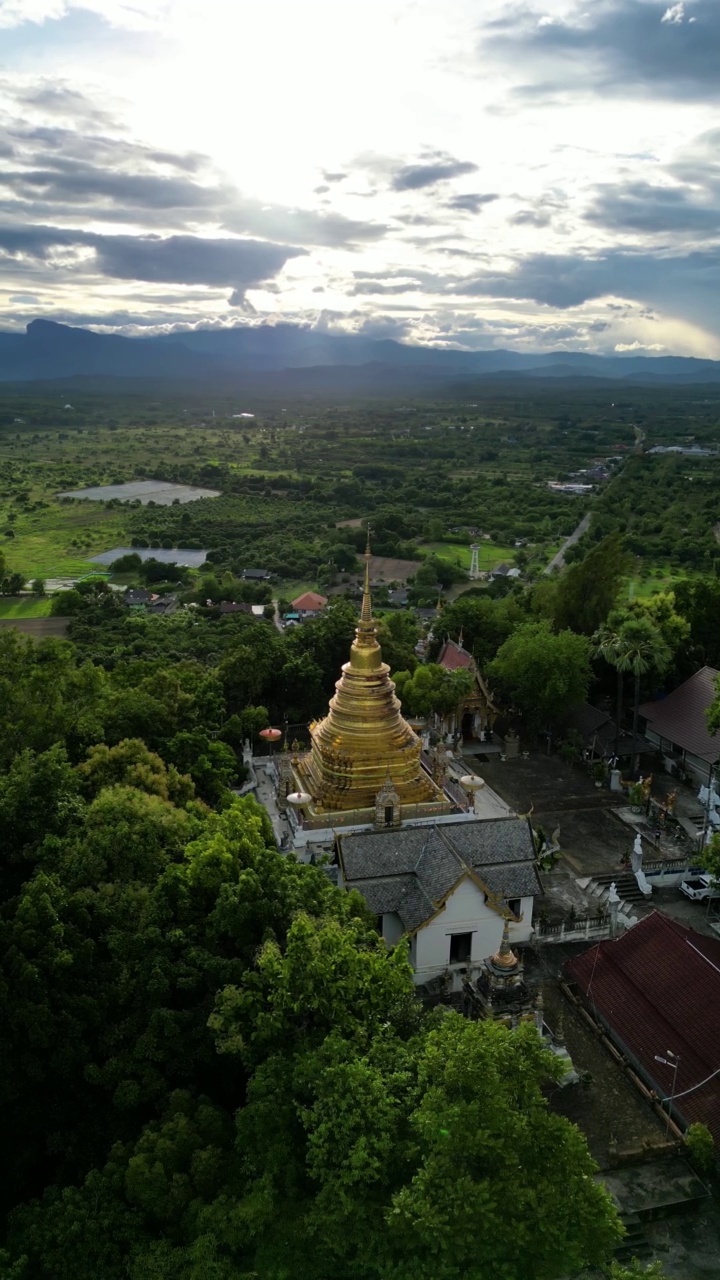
[(24, 607), (489, 554), (37, 628)]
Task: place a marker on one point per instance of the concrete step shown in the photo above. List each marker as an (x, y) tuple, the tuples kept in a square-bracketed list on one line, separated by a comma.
[(625, 883)]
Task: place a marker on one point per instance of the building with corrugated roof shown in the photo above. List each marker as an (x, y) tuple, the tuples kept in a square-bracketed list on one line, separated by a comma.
[(656, 990), (678, 725)]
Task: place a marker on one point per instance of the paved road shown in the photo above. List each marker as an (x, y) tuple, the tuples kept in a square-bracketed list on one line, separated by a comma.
[(558, 560)]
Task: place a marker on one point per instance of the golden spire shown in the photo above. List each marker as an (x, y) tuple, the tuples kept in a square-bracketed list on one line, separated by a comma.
[(505, 958), (365, 633), (364, 738)]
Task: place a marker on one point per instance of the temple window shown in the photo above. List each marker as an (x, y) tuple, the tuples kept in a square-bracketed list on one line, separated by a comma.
[(460, 948)]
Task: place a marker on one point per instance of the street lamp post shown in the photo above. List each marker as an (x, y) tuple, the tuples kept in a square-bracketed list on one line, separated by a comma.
[(671, 1060)]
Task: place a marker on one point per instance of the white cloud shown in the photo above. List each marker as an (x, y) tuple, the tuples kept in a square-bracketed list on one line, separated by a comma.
[(639, 346), (15, 12), (133, 14), (675, 14)]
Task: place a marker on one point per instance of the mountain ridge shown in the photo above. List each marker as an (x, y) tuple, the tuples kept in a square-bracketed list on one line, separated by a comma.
[(295, 358)]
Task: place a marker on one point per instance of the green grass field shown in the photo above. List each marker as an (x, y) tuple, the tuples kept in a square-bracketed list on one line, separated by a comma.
[(43, 543), (24, 607), (489, 555)]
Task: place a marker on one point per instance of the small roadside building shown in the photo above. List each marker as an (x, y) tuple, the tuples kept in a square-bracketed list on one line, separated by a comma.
[(677, 725), (656, 991), (309, 604), (448, 888)]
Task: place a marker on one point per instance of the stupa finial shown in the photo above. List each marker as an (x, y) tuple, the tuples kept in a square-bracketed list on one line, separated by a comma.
[(367, 626)]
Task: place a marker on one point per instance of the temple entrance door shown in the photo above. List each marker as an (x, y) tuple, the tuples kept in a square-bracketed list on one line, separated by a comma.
[(467, 725), (389, 814)]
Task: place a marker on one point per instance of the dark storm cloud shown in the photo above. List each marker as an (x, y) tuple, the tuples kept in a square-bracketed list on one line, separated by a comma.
[(668, 50), (532, 218), (73, 184), (654, 210), (191, 260), (59, 101), (187, 260), (471, 202), (412, 177), (686, 285), (60, 173)]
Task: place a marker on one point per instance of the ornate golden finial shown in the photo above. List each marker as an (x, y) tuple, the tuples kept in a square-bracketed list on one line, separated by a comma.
[(461, 642), (505, 957), (365, 632)]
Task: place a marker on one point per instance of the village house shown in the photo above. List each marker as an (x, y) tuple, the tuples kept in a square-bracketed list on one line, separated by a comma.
[(309, 604)]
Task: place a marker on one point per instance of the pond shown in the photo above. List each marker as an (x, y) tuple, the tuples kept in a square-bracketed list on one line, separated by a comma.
[(158, 491), (190, 557)]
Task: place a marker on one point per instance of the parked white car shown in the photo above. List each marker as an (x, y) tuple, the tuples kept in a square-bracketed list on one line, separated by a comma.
[(699, 888)]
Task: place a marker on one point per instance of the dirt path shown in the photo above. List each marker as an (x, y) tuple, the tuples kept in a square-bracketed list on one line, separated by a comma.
[(558, 560)]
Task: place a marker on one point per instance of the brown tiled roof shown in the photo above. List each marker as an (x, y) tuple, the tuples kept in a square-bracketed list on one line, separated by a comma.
[(309, 601), (454, 658), (657, 988), (681, 716)]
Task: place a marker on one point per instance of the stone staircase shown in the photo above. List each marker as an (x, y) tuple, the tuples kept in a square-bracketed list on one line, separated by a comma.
[(598, 886), (635, 1242)]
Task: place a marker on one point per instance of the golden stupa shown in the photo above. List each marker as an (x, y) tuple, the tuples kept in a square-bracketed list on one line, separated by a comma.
[(363, 748)]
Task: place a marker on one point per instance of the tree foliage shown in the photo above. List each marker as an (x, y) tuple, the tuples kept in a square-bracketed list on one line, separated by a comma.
[(541, 672)]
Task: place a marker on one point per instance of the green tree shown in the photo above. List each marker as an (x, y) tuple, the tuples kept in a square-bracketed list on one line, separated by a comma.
[(483, 623), (541, 672), (701, 1147), (211, 764), (38, 587), (639, 649), (132, 764), (588, 589), (637, 641), (431, 689)]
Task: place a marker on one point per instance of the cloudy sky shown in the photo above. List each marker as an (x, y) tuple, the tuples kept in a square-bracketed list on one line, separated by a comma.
[(537, 174)]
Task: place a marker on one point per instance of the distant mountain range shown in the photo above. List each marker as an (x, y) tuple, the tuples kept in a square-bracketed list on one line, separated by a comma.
[(289, 359)]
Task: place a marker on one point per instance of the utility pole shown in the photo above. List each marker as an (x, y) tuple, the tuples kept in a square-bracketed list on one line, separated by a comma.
[(671, 1060)]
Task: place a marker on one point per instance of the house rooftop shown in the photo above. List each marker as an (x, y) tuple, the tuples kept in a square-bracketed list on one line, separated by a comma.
[(680, 718), (309, 602), (658, 990)]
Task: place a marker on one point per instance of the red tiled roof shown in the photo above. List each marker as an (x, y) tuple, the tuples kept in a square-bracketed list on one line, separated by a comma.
[(658, 988), (310, 601), (452, 657), (681, 716)]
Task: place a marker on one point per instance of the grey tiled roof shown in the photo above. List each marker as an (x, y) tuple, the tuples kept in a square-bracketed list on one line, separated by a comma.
[(513, 880), (411, 870), (491, 840)]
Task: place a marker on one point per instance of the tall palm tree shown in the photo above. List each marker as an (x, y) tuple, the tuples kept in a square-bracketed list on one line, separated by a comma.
[(606, 643), (632, 644)]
